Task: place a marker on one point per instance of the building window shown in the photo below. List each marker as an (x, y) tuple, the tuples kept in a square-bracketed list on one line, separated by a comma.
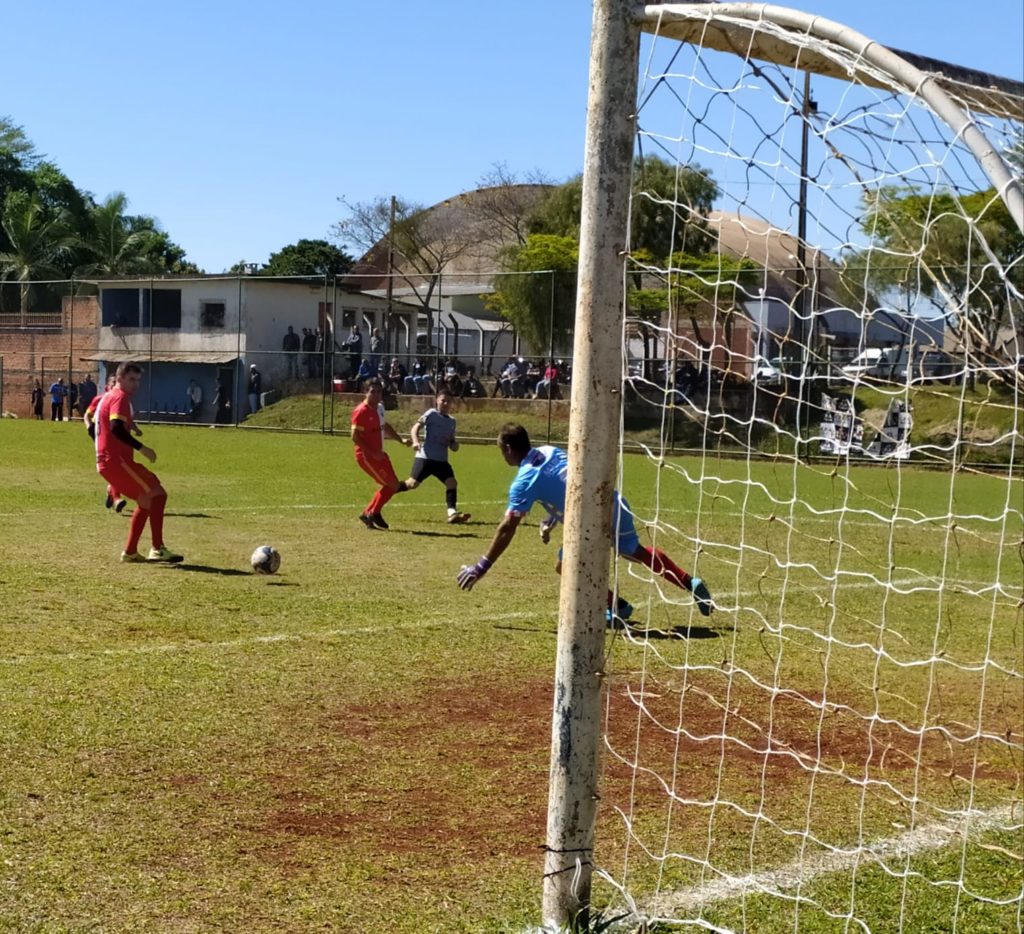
[(120, 308), (211, 314)]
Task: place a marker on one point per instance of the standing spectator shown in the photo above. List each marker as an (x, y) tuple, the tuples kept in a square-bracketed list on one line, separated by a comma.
[(86, 393), (309, 352), (290, 345), (321, 344), (369, 429), (353, 346), (433, 436), (541, 478), (58, 391), (194, 400), (376, 349), (221, 403), (37, 400), (115, 461), (255, 384), (72, 400)]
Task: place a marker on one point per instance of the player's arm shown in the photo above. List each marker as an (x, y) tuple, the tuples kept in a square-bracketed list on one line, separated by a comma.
[(503, 536), (548, 523), (453, 444), (414, 435), (389, 432), (119, 430)]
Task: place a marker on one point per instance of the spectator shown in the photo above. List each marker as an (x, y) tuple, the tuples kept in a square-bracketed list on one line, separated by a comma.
[(194, 399), (86, 393), (222, 403), (418, 382), (353, 346), (395, 377), (291, 345), (309, 352), (364, 373), (255, 385), (37, 400), (58, 392), (376, 349), (318, 358), (72, 400), (472, 387), (548, 384), (687, 378), (508, 379)]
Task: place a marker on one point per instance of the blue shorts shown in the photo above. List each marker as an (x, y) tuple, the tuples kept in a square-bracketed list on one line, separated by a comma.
[(624, 537)]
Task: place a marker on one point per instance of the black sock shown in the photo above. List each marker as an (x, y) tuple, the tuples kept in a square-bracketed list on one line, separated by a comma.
[(402, 488), (450, 498)]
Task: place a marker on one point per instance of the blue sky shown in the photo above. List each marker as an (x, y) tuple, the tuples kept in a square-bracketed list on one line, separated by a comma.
[(239, 125)]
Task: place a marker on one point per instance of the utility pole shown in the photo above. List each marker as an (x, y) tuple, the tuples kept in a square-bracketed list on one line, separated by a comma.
[(391, 271)]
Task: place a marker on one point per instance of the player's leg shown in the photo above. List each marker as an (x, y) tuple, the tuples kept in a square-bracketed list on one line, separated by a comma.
[(451, 498), (628, 545)]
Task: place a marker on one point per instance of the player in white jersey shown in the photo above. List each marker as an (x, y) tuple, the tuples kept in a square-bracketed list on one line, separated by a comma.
[(433, 436)]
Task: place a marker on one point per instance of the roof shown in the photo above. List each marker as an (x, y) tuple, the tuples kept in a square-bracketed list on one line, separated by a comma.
[(160, 356)]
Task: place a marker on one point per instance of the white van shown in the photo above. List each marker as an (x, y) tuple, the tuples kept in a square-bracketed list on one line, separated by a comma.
[(864, 363)]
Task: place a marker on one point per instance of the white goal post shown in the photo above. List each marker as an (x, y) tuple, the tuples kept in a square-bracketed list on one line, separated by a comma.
[(901, 144)]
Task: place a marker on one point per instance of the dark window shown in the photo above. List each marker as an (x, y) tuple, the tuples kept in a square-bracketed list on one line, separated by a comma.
[(121, 308), (211, 315), (166, 305)]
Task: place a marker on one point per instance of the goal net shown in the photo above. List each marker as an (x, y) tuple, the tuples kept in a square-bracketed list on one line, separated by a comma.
[(823, 334)]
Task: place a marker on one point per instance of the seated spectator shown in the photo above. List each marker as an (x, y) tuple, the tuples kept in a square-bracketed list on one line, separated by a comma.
[(472, 387), (547, 386), (418, 381), (394, 378), (363, 373)]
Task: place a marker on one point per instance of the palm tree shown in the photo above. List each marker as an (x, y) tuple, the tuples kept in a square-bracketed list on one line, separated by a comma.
[(38, 243), (119, 245)]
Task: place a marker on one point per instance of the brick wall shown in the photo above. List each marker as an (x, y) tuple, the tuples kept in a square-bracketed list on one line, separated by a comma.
[(47, 353)]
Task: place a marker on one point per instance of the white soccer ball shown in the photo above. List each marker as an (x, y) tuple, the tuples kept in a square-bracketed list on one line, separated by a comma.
[(265, 560)]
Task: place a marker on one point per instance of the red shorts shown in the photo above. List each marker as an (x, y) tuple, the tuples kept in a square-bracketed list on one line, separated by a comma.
[(128, 478), (377, 466)]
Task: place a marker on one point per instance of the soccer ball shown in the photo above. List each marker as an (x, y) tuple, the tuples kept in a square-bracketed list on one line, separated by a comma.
[(265, 560)]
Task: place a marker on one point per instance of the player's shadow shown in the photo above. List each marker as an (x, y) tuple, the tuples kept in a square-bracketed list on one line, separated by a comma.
[(427, 534), (190, 515), (207, 569), (676, 632)]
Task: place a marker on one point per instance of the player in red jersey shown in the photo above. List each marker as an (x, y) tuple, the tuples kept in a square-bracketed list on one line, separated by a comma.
[(369, 429), (115, 460), (89, 417)]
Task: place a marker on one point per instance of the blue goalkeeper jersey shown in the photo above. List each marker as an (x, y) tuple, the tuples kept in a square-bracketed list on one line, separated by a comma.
[(541, 479)]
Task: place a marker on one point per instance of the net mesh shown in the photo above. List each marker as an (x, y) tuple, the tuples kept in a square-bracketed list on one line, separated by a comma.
[(839, 746)]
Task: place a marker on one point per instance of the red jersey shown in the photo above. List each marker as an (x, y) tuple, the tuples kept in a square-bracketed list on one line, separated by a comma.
[(370, 419), (114, 406)]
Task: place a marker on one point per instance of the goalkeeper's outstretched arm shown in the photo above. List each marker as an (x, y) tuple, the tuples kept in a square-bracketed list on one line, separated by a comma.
[(503, 536)]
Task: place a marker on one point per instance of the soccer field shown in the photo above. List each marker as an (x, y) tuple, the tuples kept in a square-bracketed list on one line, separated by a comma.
[(354, 744)]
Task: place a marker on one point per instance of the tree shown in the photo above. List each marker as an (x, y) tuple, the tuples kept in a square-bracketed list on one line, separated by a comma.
[(963, 253), (538, 295), (119, 245), (712, 284), (501, 205), (308, 258), (669, 213), (424, 241), (38, 242)]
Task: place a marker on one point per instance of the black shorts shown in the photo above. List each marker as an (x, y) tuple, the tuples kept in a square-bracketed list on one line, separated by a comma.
[(422, 468)]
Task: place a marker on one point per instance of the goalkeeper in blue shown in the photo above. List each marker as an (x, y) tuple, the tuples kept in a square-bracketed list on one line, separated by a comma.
[(541, 478)]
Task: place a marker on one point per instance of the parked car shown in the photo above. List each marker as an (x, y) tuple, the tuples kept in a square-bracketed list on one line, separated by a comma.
[(766, 373), (865, 364)]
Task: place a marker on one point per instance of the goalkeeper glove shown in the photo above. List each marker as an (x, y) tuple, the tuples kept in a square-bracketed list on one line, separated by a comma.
[(470, 574)]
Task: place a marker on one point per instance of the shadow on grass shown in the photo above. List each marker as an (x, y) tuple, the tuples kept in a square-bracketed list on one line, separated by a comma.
[(442, 534), (177, 515), (676, 632), (207, 569)]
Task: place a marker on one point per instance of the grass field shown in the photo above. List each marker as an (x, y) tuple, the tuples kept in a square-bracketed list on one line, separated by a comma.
[(356, 745)]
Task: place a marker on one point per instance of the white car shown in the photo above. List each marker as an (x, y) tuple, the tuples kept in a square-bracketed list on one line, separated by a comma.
[(864, 363), (766, 373)]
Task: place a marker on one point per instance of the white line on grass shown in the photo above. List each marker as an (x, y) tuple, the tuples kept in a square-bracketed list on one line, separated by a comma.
[(281, 637), (885, 852)]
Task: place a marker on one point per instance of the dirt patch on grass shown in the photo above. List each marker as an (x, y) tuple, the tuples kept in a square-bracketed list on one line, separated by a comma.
[(459, 771)]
